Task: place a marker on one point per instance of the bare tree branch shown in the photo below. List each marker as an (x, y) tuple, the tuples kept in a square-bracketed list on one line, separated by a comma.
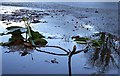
[(58, 48), (61, 49), (80, 51), (51, 53)]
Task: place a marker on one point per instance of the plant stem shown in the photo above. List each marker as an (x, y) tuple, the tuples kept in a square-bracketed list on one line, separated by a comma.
[(26, 36), (52, 53), (69, 65), (58, 48)]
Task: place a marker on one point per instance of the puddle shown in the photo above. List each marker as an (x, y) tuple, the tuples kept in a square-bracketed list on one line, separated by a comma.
[(58, 31)]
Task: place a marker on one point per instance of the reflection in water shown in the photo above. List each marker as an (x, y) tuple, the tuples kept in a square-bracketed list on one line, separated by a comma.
[(68, 25), (21, 49), (52, 61), (24, 51)]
